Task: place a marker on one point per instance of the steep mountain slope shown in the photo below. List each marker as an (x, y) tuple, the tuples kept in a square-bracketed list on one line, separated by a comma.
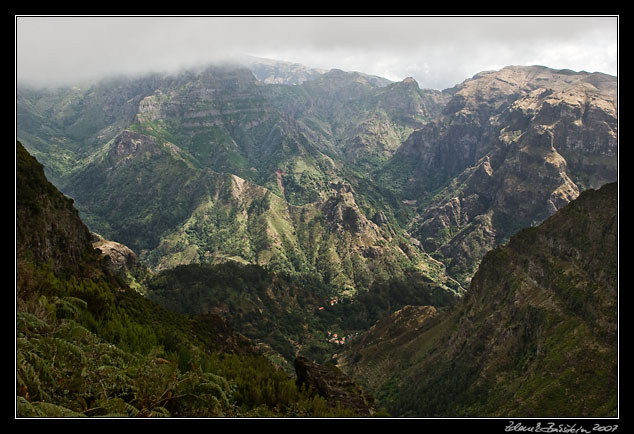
[(215, 165), (535, 336), (88, 345), (380, 194), (48, 228), (354, 119), (63, 127), (151, 197), (510, 148)]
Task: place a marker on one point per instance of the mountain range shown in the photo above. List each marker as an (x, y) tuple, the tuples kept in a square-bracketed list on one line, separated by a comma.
[(266, 191), (183, 169)]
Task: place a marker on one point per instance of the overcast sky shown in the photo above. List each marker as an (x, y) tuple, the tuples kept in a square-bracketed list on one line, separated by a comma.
[(438, 52)]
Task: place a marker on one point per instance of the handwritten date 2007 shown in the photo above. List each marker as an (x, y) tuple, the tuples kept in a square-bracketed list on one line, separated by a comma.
[(552, 427)]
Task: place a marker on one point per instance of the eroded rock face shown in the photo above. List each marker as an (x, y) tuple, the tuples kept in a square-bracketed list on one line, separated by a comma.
[(344, 214), (130, 144), (120, 256), (333, 385)]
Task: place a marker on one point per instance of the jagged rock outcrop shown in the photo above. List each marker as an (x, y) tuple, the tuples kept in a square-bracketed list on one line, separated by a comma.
[(342, 212), (121, 257), (129, 144), (332, 384)]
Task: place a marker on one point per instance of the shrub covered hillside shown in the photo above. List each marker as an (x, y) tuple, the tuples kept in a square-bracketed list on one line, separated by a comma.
[(535, 336), (87, 345)]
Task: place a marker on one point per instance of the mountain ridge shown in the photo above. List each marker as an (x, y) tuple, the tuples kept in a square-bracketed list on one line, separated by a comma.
[(389, 143), (523, 142)]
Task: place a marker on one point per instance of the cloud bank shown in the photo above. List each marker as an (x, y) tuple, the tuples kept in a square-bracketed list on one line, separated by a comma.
[(438, 52)]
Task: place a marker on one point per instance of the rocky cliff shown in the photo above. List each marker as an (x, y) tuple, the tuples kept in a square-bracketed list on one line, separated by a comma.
[(48, 227), (355, 181), (509, 149)]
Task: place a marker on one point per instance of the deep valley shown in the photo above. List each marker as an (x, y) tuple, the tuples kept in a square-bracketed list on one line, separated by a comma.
[(265, 241)]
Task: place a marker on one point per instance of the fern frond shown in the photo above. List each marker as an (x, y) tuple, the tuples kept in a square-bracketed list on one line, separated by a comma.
[(160, 412), (131, 410)]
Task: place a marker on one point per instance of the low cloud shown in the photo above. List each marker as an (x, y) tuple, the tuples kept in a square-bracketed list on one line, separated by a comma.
[(438, 52)]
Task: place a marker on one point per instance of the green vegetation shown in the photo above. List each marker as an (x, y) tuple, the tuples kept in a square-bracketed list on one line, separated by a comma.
[(263, 203), (290, 313), (70, 363), (151, 197), (289, 139), (535, 335), (87, 345)]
